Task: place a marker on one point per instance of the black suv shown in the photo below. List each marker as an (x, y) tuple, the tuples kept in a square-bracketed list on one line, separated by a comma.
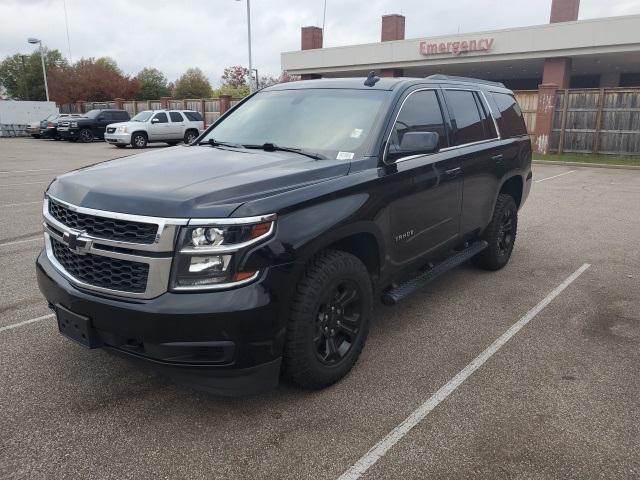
[(260, 249), (92, 125)]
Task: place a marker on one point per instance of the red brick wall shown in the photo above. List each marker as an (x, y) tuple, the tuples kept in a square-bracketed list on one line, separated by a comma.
[(311, 38), (392, 27), (564, 10)]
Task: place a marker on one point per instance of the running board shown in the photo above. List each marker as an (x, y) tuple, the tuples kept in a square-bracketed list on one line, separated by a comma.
[(395, 294)]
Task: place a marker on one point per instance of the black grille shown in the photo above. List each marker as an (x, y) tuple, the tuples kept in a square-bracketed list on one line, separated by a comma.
[(100, 271), (111, 129), (103, 227)]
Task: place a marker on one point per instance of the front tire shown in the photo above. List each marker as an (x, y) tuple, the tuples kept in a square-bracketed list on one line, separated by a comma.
[(329, 320), (85, 135), (139, 140), (500, 234)]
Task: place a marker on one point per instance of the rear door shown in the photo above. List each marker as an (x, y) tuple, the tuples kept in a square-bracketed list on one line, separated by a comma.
[(176, 125), (103, 119), (425, 191), (477, 142)]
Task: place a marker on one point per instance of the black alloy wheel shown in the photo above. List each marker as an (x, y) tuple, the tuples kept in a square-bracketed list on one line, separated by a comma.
[(338, 323), (85, 135), (190, 136), (506, 232)]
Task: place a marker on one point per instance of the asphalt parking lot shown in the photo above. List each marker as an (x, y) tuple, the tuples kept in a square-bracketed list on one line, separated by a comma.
[(559, 399)]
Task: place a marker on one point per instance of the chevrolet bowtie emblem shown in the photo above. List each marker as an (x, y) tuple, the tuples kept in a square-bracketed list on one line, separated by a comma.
[(76, 243)]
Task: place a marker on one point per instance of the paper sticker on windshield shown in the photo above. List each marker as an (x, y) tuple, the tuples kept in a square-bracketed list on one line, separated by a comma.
[(356, 132), (345, 156)]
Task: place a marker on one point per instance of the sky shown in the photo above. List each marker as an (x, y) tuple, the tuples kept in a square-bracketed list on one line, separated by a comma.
[(212, 34)]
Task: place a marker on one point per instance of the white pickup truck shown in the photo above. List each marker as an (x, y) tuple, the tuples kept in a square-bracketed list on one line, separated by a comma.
[(169, 126)]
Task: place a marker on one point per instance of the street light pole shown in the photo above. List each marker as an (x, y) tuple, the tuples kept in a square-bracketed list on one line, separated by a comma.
[(44, 70), (251, 84)]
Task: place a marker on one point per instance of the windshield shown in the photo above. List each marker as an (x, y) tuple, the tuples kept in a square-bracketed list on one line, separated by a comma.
[(334, 123), (142, 116)]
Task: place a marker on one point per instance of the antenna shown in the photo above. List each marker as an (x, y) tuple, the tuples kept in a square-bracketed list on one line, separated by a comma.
[(372, 79)]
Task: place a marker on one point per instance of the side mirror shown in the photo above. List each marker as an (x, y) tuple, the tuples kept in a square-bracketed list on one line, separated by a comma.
[(155, 120), (415, 143)]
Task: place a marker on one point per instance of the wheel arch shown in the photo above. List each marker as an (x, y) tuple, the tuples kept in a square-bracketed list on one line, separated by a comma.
[(513, 186)]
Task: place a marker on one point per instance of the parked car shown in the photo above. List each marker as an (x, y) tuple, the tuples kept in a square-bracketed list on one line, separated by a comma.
[(49, 126), (91, 125), (169, 126), (260, 249), (33, 129)]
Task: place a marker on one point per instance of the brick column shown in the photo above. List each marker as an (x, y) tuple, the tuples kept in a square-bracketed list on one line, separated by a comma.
[(164, 102), (310, 39), (392, 27), (203, 111), (119, 103), (557, 71), (544, 117), (225, 103), (564, 11), (79, 106)]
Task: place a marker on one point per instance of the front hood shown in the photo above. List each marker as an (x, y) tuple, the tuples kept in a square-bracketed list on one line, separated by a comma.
[(125, 124), (198, 181)]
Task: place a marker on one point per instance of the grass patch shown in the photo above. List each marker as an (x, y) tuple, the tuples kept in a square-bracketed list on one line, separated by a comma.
[(603, 159)]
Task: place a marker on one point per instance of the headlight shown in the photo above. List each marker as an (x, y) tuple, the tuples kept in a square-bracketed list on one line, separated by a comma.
[(73, 124), (210, 255), (121, 129)]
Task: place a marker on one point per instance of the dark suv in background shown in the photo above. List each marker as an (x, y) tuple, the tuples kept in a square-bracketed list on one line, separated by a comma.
[(90, 126), (259, 250)]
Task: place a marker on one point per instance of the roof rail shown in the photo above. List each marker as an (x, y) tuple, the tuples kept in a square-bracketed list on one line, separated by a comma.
[(453, 78)]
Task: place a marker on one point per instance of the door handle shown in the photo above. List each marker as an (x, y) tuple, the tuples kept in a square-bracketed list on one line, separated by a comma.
[(498, 158), (454, 172)]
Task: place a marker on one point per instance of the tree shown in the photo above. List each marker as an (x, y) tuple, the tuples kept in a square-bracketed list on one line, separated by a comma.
[(93, 80), (192, 84), (235, 76), (21, 75), (153, 84)]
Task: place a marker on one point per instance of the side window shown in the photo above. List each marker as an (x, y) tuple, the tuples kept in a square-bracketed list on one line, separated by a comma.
[(511, 122), (176, 117), (487, 119), (420, 112), (122, 116), (161, 117), (193, 116), (465, 117)]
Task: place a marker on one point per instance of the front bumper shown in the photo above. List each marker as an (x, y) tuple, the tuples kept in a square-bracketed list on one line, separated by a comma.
[(118, 138), (228, 342)]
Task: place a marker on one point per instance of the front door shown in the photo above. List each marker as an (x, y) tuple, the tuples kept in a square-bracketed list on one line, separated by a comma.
[(425, 192), (159, 127)]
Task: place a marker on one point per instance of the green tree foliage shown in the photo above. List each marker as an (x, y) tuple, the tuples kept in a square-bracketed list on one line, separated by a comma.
[(153, 84), (192, 84), (21, 75)]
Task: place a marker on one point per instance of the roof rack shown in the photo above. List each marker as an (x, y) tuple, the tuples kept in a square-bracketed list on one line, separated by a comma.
[(453, 78)]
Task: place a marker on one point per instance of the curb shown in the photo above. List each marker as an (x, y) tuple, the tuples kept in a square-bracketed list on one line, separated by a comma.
[(582, 164)]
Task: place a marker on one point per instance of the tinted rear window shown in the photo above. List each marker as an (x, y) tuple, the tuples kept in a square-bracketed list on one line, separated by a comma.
[(193, 116), (511, 122), (466, 119)]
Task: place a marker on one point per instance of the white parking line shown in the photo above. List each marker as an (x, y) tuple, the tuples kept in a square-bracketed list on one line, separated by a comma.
[(21, 241), (26, 322), (18, 204), (21, 184), (29, 171), (555, 176), (393, 437)]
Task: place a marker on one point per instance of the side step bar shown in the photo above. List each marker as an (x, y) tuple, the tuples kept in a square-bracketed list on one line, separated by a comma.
[(395, 294)]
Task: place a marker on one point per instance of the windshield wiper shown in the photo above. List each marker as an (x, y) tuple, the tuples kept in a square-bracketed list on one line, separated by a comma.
[(271, 147), (214, 143)]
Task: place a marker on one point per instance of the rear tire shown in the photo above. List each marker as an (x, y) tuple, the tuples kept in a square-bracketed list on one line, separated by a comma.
[(329, 320), (500, 234), (139, 140), (85, 135), (190, 136)]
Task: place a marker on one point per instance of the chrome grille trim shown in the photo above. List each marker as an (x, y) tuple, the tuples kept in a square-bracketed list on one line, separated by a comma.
[(151, 254)]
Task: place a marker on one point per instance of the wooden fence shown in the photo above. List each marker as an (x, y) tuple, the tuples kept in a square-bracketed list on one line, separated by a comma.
[(209, 108), (602, 121)]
